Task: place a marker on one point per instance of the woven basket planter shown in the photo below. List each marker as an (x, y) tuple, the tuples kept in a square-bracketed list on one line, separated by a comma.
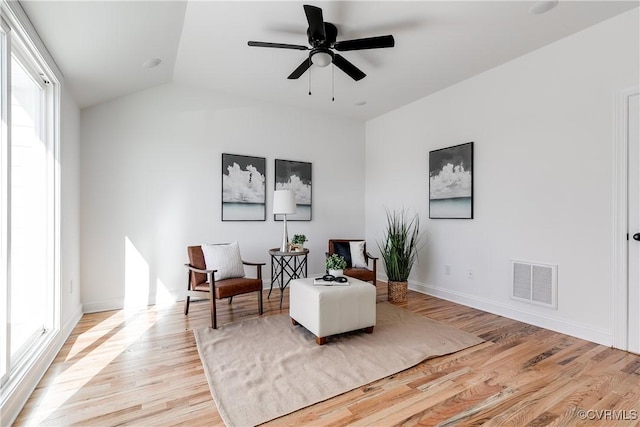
[(397, 291)]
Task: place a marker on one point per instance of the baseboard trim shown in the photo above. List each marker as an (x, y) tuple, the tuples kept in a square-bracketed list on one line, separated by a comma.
[(516, 313), (106, 305), (118, 303), (67, 328), (575, 329)]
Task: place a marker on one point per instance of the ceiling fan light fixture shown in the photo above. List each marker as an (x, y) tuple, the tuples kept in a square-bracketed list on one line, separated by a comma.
[(321, 58)]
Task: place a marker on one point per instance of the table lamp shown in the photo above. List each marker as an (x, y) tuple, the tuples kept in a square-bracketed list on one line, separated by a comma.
[(284, 202)]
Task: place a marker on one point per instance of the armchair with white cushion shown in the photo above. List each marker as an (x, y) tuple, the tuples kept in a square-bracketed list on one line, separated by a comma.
[(360, 263), (216, 271)]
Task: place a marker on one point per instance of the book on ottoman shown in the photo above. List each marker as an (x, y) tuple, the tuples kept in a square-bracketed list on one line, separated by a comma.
[(320, 281)]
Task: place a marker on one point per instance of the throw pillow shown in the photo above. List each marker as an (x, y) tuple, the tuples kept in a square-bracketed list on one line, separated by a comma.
[(357, 254), (225, 258), (343, 249)]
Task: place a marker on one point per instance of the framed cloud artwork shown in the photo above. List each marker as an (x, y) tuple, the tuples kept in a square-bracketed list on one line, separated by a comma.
[(296, 176), (451, 182), (243, 188)]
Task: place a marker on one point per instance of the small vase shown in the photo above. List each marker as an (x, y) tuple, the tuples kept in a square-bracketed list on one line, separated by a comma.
[(336, 273)]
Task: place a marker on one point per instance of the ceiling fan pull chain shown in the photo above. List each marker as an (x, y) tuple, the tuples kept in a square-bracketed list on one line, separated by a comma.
[(309, 82), (333, 84)]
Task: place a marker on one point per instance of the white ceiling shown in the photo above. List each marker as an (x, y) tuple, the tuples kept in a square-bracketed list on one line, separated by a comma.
[(101, 46)]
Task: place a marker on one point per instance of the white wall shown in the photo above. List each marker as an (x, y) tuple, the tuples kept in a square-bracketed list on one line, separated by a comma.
[(151, 175), (543, 129), (71, 309)]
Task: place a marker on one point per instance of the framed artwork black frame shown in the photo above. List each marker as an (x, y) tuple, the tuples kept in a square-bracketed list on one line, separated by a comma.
[(451, 182), (296, 176), (243, 188)]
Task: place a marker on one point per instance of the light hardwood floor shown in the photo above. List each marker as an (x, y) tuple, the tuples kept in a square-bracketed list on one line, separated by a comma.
[(143, 369)]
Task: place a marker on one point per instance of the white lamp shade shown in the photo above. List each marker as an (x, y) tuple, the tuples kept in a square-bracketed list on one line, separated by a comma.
[(284, 202), (321, 59)]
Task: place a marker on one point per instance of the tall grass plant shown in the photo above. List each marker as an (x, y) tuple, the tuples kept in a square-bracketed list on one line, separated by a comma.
[(400, 244)]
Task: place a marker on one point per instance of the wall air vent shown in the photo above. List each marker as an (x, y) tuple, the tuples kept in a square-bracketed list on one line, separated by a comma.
[(534, 283)]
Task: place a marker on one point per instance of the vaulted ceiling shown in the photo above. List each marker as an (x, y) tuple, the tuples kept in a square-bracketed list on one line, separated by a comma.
[(101, 46)]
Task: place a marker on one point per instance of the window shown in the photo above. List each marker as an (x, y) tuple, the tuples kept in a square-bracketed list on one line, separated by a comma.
[(30, 285), (29, 313)]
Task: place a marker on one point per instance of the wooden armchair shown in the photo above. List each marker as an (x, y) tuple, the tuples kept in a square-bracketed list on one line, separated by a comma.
[(199, 280), (342, 247)]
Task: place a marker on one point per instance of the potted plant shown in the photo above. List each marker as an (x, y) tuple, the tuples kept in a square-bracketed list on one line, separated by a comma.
[(336, 264), (298, 242), (399, 250)]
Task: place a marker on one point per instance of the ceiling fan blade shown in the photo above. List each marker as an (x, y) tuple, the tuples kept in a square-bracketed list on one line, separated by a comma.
[(351, 70), (278, 45), (301, 69), (368, 43), (316, 22)]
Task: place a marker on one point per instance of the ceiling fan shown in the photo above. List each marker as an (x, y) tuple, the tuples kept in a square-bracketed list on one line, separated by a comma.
[(322, 38)]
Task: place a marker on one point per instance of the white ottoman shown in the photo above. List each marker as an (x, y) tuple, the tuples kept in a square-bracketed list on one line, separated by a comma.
[(330, 310)]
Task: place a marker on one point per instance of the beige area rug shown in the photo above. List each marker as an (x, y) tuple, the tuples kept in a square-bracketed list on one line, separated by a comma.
[(264, 368)]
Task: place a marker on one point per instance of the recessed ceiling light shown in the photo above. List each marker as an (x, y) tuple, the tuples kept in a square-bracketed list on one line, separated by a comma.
[(542, 6), (361, 103), (152, 63)]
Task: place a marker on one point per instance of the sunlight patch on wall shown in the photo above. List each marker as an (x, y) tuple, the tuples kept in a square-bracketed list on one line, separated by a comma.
[(163, 296), (136, 278)]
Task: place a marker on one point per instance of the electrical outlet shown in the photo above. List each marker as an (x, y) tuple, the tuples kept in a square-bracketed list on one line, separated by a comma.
[(470, 274), (447, 269)]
